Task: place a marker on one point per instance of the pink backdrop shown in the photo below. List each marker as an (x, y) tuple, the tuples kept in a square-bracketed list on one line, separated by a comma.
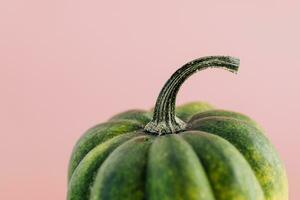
[(67, 65)]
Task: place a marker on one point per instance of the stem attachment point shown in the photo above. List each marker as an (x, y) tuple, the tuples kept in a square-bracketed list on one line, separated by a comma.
[(164, 120)]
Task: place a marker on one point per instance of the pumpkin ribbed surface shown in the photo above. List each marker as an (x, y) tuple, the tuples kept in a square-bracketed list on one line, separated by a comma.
[(190, 152), (221, 155)]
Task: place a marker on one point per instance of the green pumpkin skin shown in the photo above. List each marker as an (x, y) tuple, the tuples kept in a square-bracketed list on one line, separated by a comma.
[(222, 155), (197, 153)]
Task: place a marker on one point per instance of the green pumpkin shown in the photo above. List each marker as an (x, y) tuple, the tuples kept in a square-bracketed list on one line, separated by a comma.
[(193, 152)]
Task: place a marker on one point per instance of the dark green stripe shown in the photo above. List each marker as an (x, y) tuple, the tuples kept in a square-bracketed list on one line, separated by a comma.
[(174, 171), (97, 135), (229, 174), (82, 178), (255, 147), (223, 113), (122, 175)]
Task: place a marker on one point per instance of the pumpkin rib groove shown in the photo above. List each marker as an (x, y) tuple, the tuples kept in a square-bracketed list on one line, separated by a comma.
[(255, 148), (220, 113), (216, 157), (221, 117), (85, 172), (99, 134), (119, 176), (198, 120), (201, 163), (174, 171)]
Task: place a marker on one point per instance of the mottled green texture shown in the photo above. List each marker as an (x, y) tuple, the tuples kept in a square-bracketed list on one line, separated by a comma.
[(83, 176), (186, 111), (222, 155), (228, 172), (223, 113), (174, 171), (255, 148), (97, 135), (122, 176)]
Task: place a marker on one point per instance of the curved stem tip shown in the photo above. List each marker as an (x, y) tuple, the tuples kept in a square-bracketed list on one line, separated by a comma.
[(164, 120)]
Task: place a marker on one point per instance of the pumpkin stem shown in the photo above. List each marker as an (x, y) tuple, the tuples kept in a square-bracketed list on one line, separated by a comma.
[(164, 120)]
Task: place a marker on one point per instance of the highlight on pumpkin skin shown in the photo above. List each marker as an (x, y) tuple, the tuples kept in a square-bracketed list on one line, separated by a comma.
[(186, 111)]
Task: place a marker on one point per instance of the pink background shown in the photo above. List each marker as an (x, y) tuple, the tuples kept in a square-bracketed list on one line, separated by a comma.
[(67, 65)]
